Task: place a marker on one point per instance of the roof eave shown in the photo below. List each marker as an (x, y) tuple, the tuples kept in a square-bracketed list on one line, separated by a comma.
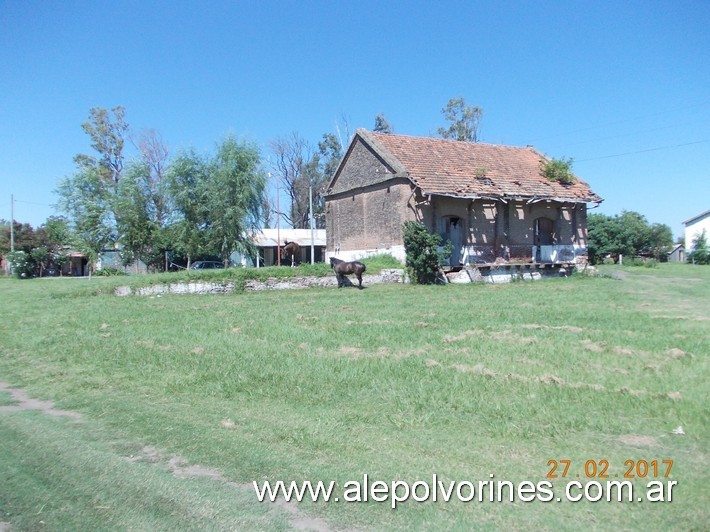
[(507, 197)]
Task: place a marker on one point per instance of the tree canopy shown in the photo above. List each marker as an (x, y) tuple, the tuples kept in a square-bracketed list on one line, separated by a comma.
[(382, 125), (195, 205), (464, 121), (700, 254), (301, 169), (628, 234)]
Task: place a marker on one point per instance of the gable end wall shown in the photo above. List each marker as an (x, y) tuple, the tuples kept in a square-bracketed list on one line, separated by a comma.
[(362, 168)]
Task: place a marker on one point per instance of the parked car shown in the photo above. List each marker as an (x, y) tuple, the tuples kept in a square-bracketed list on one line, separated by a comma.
[(207, 265)]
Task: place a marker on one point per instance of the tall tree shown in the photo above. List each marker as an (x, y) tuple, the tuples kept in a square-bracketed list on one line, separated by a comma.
[(136, 225), (300, 170), (187, 186), (382, 125), (141, 203), (107, 139), (87, 198), (235, 195), (154, 155), (330, 154), (464, 121), (292, 158), (218, 201)]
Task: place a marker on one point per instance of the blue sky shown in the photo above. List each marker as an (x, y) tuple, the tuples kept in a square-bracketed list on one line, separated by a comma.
[(621, 87)]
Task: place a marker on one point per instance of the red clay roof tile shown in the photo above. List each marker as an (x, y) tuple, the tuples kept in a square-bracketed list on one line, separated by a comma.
[(439, 166)]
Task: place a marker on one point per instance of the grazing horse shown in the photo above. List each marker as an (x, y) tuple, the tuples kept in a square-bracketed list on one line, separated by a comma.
[(342, 268), (291, 249)]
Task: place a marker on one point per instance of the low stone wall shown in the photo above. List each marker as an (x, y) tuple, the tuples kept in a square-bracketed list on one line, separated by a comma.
[(503, 273), (193, 287), (294, 283)]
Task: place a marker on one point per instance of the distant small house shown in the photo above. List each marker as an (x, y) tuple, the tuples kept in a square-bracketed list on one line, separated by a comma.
[(76, 264), (491, 202), (268, 242), (111, 258), (677, 254), (694, 227)]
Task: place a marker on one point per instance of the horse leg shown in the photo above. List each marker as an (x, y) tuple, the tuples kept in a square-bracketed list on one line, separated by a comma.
[(339, 277), (359, 280)]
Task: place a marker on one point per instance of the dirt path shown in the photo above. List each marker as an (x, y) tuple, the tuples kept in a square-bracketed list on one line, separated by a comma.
[(176, 465), (25, 402)]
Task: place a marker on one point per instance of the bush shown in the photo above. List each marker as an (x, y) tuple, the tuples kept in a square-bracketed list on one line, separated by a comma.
[(641, 262), (559, 170), (423, 255), (23, 267), (380, 262), (109, 272)]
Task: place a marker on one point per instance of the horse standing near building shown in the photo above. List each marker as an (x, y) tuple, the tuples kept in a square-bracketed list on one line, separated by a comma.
[(293, 250), (342, 268)]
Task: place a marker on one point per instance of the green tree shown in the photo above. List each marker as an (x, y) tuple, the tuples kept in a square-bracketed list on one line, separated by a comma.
[(464, 121), (423, 255), (58, 239), (235, 195), (218, 201), (660, 241), (108, 140), (382, 125), (87, 199), (700, 253), (628, 234), (187, 178), (25, 237), (135, 224), (89, 196)]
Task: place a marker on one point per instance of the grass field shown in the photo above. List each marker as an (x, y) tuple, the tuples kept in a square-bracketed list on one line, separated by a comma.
[(181, 402)]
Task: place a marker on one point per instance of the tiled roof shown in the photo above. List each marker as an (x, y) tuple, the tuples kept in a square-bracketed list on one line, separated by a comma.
[(468, 169)]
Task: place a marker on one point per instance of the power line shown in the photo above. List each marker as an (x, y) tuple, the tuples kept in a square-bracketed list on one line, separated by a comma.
[(633, 119), (643, 151), (597, 139), (32, 203)]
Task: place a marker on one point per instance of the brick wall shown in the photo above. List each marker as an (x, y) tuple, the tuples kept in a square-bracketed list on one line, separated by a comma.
[(368, 218)]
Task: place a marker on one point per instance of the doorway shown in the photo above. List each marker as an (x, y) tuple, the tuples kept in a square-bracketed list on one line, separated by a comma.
[(453, 232)]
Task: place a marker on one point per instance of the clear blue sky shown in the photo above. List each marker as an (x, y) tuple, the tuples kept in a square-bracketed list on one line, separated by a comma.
[(588, 80)]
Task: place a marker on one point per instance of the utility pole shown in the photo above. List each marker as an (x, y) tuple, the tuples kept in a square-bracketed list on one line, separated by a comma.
[(310, 219), (278, 223), (12, 223)]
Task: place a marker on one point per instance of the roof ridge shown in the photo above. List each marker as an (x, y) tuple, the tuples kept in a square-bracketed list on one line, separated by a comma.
[(438, 139)]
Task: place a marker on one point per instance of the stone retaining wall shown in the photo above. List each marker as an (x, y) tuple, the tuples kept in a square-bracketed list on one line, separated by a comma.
[(293, 283)]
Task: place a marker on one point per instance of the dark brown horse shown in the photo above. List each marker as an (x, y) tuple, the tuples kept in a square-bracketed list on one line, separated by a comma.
[(292, 250), (342, 268)]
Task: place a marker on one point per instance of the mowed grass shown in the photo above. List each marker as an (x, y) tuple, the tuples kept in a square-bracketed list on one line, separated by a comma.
[(396, 382)]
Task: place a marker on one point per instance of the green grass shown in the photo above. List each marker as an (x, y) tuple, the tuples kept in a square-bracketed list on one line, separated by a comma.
[(84, 286), (399, 382), (6, 399)]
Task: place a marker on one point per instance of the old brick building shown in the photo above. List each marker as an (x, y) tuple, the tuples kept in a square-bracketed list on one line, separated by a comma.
[(492, 202)]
